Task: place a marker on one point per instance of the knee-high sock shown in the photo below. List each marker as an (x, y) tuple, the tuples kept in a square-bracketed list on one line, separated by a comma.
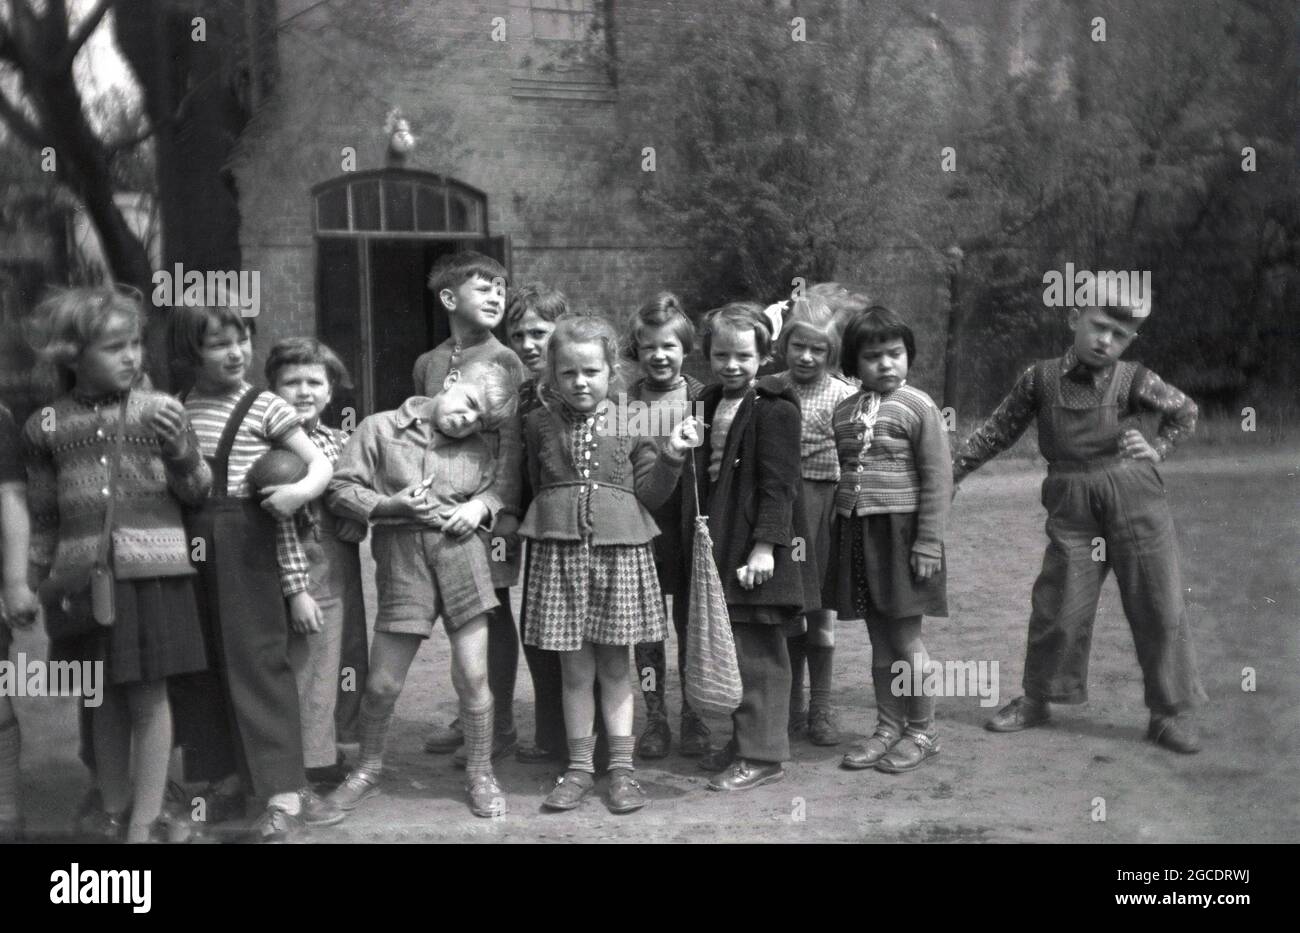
[(650, 662), (477, 724), (376, 714), (891, 711), (797, 646), (820, 664)]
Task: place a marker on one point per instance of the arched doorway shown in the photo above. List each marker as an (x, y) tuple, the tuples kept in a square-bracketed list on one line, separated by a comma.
[(377, 235)]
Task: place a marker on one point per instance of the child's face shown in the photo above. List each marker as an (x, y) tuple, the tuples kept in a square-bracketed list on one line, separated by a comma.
[(111, 363), (660, 354), (458, 410), (1099, 339), (582, 375), (305, 386), (478, 303), (882, 366), (224, 358), (807, 353), (528, 337), (734, 359)]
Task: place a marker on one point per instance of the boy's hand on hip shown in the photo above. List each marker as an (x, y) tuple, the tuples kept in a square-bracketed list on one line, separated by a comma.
[(923, 568), (304, 615), (1134, 446), (462, 519)]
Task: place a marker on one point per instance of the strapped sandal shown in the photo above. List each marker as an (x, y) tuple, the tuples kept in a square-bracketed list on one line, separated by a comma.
[(569, 791), (867, 754), (909, 753)]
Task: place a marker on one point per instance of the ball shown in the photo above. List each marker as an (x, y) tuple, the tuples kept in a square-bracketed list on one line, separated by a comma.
[(276, 468)]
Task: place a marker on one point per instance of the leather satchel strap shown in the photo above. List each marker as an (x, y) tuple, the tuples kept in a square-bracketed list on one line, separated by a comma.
[(106, 535)]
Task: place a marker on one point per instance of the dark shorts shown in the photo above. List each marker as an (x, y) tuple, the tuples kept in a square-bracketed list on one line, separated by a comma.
[(421, 575)]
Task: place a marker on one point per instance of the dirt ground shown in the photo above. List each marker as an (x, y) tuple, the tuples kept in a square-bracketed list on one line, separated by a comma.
[(1239, 528)]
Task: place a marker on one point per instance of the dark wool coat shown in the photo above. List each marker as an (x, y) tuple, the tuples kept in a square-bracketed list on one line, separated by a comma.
[(758, 497)]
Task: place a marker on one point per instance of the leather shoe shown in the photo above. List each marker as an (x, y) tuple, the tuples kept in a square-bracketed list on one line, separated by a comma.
[(533, 754), (1176, 734), (1020, 713), (719, 759), (486, 798), (625, 793), (317, 811), (569, 791), (443, 741), (865, 754), (821, 726), (909, 753), (695, 736), (744, 775), (655, 740)]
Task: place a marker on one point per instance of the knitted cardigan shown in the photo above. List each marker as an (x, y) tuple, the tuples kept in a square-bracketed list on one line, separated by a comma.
[(68, 449)]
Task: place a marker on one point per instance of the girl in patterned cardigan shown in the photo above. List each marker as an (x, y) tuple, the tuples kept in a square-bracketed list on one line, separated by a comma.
[(886, 563), (592, 587), (93, 336)]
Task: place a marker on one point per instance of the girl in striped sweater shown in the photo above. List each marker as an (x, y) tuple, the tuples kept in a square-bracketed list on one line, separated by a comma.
[(241, 727), (886, 563)]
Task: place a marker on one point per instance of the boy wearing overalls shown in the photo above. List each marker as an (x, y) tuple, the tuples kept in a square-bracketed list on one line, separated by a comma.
[(1101, 483)]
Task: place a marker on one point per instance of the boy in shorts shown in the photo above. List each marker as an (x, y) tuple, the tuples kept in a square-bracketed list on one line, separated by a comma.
[(424, 478)]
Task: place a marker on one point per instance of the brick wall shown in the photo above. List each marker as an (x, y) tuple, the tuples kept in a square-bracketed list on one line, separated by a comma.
[(559, 177)]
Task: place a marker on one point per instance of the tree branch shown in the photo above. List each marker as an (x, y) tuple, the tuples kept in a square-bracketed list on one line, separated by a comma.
[(22, 127), (129, 142), (79, 36)]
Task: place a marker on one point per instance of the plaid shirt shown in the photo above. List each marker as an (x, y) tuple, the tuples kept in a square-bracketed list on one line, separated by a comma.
[(1140, 390), (817, 401), (289, 552)]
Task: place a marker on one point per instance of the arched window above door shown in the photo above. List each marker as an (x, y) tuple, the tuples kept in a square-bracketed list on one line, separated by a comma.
[(394, 201)]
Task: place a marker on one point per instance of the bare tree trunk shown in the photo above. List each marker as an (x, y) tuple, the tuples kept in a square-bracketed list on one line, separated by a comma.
[(190, 97)]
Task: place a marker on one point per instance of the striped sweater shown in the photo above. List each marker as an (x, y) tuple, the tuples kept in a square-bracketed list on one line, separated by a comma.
[(68, 448), (906, 467)]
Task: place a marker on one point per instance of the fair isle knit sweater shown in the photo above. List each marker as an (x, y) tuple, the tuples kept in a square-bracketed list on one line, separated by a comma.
[(906, 467), (68, 448)]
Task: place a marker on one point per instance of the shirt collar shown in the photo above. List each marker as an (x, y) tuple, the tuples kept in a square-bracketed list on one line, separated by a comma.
[(414, 410), (1074, 368)]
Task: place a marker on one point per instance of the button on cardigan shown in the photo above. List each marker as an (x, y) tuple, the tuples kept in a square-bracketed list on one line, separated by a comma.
[(592, 478)]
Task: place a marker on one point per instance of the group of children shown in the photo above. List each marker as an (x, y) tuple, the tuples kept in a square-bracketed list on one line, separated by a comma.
[(826, 486)]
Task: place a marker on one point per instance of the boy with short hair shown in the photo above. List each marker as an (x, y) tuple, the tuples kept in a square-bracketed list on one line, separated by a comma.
[(306, 373), (1101, 482), (425, 477), (471, 289)]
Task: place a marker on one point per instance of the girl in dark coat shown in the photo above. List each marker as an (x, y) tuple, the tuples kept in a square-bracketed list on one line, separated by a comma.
[(747, 479)]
